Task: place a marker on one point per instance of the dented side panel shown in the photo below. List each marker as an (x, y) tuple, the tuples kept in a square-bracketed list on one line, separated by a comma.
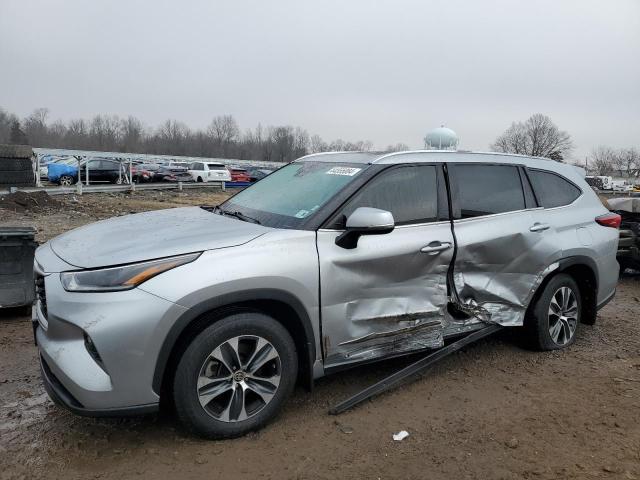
[(500, 263), (384, 297)]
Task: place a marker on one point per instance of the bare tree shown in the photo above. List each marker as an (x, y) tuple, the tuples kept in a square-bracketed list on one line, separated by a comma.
[(317, 145), (76, 136), (35, 127), (538, 136), (172, 136), (626, 161), (223, 131), (601, 160), (398, 147), (6, 122), (132, 132), (17, 135)]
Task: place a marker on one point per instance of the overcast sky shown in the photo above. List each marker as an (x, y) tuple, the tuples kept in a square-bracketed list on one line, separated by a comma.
[(387, 71)]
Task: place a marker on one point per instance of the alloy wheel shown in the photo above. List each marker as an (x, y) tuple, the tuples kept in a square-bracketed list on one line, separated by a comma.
[(239, 378), (66, 180), (563, 315)]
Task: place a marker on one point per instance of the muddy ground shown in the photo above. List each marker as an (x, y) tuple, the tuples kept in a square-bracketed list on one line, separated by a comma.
[(493, 410)]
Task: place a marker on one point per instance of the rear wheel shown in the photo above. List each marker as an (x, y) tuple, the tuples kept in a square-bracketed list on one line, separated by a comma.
[(235, 376), (553, 321)]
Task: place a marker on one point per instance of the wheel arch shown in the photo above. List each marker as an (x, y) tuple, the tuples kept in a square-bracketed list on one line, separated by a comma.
[(281, 305), (583, 270)]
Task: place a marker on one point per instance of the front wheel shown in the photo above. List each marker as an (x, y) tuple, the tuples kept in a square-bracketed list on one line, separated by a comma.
[(553, 320), (235, 376), (66, 180)]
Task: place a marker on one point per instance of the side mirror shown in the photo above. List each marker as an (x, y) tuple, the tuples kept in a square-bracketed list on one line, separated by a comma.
[(365, 221)]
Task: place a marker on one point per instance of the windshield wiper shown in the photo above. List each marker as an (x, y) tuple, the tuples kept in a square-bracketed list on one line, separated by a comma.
[(236, 214)]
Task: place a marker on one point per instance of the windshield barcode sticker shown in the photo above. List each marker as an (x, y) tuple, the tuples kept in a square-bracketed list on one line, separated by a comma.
[(348, 171)]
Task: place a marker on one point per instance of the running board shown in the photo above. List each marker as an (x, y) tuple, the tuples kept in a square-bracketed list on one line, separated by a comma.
[(425, 362)]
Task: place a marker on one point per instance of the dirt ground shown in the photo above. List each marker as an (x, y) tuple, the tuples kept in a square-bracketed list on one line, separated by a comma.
[(491, 411)]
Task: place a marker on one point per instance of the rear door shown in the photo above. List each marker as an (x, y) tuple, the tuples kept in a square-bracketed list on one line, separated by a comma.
[(388, 295), (502, 251)]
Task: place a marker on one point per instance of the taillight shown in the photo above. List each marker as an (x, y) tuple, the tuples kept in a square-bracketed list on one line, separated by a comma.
[(609, 220)]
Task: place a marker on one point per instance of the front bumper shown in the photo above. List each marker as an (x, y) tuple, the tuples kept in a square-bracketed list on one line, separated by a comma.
[(63, 398), (126, 328)]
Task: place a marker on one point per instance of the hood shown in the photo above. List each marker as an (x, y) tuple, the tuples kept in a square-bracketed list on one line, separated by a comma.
[(149, 235)]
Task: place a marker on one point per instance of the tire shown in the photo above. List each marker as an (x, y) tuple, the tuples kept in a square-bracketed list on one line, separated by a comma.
[(66, 180), (199, 180), (540, 323), (221, 413)]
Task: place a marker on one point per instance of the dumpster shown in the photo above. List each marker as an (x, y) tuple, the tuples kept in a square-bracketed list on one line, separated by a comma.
[(17, 247)]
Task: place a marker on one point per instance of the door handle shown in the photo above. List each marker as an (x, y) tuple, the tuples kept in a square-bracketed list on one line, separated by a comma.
[(539, 227), (435, 247)]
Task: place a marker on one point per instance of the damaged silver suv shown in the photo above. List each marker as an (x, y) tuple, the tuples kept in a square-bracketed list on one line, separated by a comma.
[(333, 260)]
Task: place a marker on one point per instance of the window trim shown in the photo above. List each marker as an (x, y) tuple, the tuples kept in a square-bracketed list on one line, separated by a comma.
[(455, 194), (557, 175), (442, 207)]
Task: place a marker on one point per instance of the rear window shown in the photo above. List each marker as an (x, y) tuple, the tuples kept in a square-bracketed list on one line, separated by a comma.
[(216, 166), (552, 190), (486, 189)]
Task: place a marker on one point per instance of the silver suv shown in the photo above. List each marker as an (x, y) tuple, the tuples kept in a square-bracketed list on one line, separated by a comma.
[(332, 260)]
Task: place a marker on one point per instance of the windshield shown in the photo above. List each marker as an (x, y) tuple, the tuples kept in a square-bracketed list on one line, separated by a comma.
[(293, 193)]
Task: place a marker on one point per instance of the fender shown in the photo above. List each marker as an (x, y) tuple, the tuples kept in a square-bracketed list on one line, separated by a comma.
[(227, 300), (589, 302)]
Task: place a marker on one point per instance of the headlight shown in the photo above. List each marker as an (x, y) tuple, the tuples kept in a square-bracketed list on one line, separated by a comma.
[(124, 277)]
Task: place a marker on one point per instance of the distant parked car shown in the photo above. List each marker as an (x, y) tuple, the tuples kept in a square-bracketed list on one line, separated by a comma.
[(239, 175), (144, 172), (65, 172), (622, 187), (629, 244), (256, 174), (209, 172), (174, 163), (167, 173)]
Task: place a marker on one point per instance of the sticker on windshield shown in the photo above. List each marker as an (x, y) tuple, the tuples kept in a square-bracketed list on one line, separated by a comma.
[(302, 213), (348, 171)]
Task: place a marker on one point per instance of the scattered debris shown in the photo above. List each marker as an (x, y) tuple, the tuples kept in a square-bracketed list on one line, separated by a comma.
[(344, 428), (401, 435), (512, 443)]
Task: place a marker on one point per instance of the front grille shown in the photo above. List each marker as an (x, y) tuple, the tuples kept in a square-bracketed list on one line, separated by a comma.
[(41, 294)]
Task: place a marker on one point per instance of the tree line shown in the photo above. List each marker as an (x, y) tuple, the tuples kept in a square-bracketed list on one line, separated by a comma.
[(622, 162), (222, 138)]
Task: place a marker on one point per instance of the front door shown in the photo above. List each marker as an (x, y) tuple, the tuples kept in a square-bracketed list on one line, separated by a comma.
[(388, 295)]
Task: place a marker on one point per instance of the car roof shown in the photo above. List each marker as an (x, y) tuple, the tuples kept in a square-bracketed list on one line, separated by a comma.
[(449, 156)]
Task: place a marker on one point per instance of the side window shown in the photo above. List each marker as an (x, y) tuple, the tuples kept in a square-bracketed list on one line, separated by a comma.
[(95, 165), (199, 166), (553, 190), (410, 193), (486, 189)]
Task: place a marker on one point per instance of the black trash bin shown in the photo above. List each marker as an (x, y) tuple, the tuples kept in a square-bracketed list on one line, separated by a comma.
[(17, 247)]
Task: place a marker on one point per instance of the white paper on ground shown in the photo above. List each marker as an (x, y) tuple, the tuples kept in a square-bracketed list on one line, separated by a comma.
[(398, 437)]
